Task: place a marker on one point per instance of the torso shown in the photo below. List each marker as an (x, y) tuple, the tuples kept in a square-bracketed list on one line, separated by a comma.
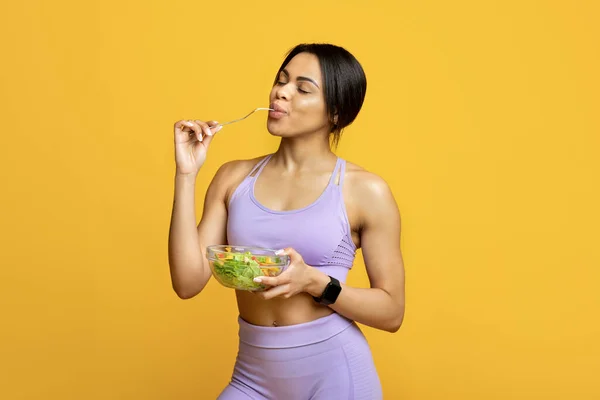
[(278, 190)]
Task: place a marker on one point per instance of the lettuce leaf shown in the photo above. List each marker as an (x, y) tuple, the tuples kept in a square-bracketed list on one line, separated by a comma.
[(239, 271)]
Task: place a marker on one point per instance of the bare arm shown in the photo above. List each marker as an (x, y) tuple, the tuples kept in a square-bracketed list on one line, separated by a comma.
[(382, 305), (187, 242)]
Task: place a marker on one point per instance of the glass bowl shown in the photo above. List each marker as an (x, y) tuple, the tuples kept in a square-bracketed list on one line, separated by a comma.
[(236, 266)]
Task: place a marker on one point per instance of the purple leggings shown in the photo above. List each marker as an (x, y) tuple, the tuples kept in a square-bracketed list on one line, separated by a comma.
[(328, 358)]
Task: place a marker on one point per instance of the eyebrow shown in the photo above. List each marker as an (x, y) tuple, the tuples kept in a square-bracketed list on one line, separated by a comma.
[(301, 78)]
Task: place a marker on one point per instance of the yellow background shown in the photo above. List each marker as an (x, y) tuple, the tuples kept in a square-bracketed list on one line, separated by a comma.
[(481, 115)]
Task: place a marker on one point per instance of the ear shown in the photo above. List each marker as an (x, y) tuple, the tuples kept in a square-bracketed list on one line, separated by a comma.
[(335, 118)]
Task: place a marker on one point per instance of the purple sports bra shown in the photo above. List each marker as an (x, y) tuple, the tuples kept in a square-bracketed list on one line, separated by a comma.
[(320, 232)]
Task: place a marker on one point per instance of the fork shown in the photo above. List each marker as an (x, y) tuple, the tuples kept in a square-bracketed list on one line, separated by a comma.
[(240, 119)]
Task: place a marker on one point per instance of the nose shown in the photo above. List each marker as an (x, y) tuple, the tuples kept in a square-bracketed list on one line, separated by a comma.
[(283, 92)]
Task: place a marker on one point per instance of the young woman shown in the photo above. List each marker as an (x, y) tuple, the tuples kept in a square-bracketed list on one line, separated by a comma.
[(299, 339)]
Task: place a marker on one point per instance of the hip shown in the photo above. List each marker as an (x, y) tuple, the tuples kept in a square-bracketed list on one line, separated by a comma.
[(321, 359)]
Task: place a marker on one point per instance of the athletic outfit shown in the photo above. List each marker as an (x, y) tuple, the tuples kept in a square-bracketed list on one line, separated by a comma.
[(328, 358)]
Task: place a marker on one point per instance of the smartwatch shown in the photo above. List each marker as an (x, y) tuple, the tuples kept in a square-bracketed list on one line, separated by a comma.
[(331, 292)]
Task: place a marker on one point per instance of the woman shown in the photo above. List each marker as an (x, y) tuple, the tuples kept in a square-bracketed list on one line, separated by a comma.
[(299, 338)]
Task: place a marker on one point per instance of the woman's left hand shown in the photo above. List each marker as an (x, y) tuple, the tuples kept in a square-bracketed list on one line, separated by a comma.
[(297, 278)]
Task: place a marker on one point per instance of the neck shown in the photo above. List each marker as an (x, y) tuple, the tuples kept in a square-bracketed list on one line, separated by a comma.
[(303, 152)]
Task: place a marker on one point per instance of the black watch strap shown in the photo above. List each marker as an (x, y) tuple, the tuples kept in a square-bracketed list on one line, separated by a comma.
[(331, 292)]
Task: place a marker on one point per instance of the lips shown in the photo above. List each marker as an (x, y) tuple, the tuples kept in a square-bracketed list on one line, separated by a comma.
[(278, 112), (278, 108)]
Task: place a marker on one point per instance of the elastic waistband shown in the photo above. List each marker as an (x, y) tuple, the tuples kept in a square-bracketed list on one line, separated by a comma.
[(292, 335)]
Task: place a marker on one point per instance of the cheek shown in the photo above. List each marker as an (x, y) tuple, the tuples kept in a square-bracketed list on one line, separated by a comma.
[(312, 105), (272, 95)]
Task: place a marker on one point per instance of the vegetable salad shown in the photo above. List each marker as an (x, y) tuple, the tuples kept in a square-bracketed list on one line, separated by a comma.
[(239, 270)]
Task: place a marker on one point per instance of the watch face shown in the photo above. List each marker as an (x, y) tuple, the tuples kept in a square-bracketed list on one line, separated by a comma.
[(332, 291)]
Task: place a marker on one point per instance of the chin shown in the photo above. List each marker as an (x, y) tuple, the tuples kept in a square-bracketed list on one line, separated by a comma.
[(277, 130)]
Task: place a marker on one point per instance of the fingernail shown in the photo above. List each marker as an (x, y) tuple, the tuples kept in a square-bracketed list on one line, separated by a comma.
[(279, 252), (257, 280)]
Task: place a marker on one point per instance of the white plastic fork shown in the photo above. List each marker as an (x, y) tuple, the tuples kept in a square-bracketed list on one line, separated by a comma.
[(240, 119)]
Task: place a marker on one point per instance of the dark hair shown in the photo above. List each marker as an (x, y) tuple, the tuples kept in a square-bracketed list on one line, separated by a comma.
[(344, 81)]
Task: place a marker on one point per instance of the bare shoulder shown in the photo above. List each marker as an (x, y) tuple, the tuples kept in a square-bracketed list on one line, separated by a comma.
[(366, 185), (368, 194), (231, 173), (231, 169)]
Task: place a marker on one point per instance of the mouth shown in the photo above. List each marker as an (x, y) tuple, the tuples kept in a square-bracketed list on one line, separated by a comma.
[(277, 112), (278, 108)]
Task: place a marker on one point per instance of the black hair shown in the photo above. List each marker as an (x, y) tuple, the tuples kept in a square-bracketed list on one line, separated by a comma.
[(344, 81)]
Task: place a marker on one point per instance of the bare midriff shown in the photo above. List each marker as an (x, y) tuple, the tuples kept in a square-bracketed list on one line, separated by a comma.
[(279, 311)]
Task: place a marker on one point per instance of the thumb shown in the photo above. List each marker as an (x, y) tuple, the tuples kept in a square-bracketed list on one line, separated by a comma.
[(292, 253), (208, 138)]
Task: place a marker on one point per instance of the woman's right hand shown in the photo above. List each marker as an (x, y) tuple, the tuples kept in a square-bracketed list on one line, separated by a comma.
[(192, 138)]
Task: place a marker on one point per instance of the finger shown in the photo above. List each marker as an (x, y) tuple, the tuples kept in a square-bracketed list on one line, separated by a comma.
[(214, 129), (268, 281), (194, 129), (207, 140), (181, 123), (281, 279), (276, 291), (184, 125), (288, 251), (214, 126), (291, 252), (205, 128), (198, 130)]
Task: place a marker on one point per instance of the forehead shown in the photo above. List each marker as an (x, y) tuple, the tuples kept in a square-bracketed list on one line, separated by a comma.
[(304, 64)]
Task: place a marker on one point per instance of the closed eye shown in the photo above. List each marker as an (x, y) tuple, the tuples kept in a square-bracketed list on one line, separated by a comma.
[(281, 83)]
